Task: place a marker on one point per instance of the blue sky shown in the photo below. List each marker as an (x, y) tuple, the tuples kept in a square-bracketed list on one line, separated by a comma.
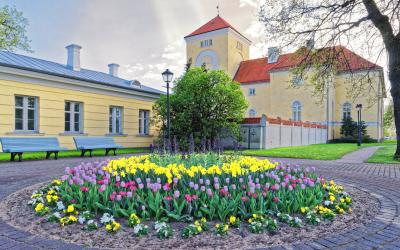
[(143, 36)]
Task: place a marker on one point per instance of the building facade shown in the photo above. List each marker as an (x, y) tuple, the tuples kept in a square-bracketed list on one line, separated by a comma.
[(266, 81), (43, 98)]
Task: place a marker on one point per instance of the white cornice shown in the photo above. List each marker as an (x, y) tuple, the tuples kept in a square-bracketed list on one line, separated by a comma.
[(25, 76)]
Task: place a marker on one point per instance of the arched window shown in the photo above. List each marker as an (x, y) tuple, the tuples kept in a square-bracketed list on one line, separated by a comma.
[(296, 108), (346, 110), (252, 113)]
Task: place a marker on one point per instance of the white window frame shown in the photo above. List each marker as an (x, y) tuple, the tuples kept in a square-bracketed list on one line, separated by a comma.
[(113, 118), (206, 43), (25, 109), (252, 91), (144, 122), (346, 110), (296, 110), (72, 113), (252, 113)]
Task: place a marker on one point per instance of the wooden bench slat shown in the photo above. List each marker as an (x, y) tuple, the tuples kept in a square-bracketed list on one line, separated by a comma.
[(19, 145), (87, 144)]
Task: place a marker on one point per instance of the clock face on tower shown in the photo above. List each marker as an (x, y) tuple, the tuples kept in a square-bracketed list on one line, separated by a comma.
[(208, 58)]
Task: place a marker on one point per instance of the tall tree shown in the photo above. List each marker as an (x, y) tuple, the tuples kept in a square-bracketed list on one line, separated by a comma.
[(372, 24), (203, 103), (13, 30)]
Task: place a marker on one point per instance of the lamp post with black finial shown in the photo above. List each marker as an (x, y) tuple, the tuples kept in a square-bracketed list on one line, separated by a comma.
[(167, 77)]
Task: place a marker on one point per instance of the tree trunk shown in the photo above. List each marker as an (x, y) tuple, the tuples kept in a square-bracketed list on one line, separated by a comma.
[(394, 77), (396, 106)]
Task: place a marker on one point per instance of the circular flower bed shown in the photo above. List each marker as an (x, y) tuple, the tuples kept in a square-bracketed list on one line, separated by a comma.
[(230, 191)]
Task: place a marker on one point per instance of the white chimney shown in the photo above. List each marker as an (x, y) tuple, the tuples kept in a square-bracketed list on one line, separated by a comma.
[(74, 60), (273, 54), (113, 69)]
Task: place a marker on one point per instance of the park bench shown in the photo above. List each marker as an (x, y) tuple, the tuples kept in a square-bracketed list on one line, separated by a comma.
[(87, 144), (18, 145)]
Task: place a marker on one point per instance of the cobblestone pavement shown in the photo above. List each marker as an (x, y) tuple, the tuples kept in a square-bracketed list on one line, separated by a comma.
[(359, 156), (381, 181)]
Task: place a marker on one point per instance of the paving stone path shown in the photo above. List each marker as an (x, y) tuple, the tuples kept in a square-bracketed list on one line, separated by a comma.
[(381, 181), (359, 156)]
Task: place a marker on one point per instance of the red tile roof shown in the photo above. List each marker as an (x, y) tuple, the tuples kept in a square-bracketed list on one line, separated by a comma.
[(252, 120), (258, 70), (216, 23), (270, 120)]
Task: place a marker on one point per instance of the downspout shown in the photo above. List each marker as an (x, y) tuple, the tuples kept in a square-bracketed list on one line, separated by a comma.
[(327, 113)]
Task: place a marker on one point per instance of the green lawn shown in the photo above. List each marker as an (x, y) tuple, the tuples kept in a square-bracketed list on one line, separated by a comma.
[(384, 155), (332, 151), (315, 152), (72, 153)]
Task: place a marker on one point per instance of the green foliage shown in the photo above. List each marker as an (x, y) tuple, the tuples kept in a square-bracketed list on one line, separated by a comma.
[(203, 103), (164, 230), (259, 223), (388, 117), (349, 131), (221, 229), (13, 30), (349, 127), (312, 218), (189, 231)]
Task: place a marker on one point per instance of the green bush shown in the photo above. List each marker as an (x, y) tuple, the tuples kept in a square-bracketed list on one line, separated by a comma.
[(349, 132)]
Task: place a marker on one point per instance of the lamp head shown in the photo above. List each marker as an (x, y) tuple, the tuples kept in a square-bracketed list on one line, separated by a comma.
[(167, 76)]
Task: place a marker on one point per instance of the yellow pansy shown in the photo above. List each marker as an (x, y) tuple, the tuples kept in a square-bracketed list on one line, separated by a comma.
[(232, 219), (39, 207), (70, 209)]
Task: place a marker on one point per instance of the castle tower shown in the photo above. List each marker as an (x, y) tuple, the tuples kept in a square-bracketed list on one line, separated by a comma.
[(217, 45)]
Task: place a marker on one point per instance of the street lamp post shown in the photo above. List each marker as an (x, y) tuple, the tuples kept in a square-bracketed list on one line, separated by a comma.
[(359, 108), (167, 77)]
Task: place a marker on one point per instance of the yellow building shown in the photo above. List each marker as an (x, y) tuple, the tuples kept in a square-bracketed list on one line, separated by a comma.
[(43, 98), (266, 81)]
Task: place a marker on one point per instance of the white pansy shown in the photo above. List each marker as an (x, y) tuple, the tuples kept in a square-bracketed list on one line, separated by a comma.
[(60, 206), (106, 218), (297, 220), (57, 214), (137, 228), (81, 220), (159, 225)]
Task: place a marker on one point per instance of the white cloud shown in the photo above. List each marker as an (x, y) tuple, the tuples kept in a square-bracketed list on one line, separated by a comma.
[(255, 30), (172, 57), (251, 3)]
